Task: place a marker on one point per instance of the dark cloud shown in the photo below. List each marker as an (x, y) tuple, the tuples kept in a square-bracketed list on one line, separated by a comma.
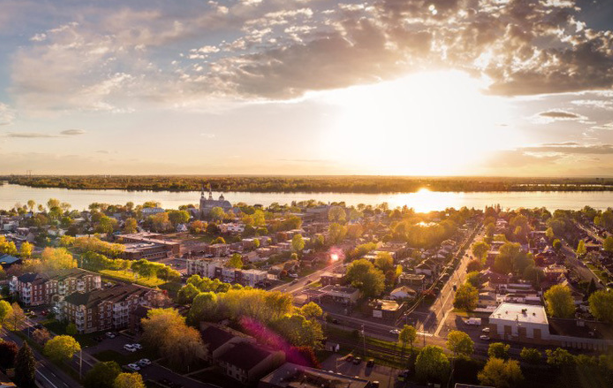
[(29, 135), (72, 132), (560, 115)]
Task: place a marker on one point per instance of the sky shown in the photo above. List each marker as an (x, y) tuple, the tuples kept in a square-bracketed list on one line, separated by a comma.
[(307, 87)]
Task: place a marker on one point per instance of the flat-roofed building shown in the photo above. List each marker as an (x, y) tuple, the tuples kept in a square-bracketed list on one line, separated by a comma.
[(519, 322), (291, 375)]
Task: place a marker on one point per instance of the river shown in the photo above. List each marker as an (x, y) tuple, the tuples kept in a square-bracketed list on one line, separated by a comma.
[(422, 201)]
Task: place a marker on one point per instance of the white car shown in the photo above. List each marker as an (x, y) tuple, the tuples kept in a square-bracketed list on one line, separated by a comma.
[(484, 337), (110, 334), (485, 330), (137, 346), (134, 367), (394, 331), (129, 348), (144, 362)]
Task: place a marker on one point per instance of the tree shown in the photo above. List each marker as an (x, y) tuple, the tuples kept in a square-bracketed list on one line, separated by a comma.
[(560, 303), (601, 305), (16, 317), (177, 217), (311, 310), (581, 250), (474, 266), (408, 334), (607, 244), (559, 358), (130, 226), (106, 225), (235, 261), (500, 373), (474, 279), (25, 250), (41, 336), (298, 330), (362, 274), (102, 375), (56, 259), (217, 214), (460, 344), (71, 329), (531, 355), (480, 249), (432, 364), (498, 350), (25, 367), (384, 261), (297, 243), (336, 233), (129, 380), (61, 348), (557, 245), (466, 297), (337, 214), (187, 293), (5, 311), (8, 354)]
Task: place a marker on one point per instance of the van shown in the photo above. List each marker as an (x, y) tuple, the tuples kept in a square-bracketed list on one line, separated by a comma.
[(473, 321)]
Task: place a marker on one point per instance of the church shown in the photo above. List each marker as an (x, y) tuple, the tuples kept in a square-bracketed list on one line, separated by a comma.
[(206, 204)]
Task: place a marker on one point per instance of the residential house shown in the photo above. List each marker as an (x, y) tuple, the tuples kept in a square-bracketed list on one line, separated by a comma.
[(247, 362), (291, 375)]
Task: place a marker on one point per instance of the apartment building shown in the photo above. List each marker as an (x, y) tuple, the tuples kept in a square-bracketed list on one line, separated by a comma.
[(35, 289)]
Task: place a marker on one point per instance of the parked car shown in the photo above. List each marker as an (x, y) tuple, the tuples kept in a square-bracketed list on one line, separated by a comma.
[(394, 331), (484, 337), (357, 360), (144, 362), (129, 348), (137, 346), (110, 334), (134, 367), (485, 330)]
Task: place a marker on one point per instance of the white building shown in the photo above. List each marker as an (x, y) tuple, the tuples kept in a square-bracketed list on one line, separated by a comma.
[(251, 277), (203, 267), (513, 321)]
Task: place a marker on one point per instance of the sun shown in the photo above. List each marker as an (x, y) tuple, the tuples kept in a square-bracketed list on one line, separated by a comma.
[(437, 123)]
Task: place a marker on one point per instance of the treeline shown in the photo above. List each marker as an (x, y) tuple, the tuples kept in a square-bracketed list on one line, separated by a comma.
[(312, 184)]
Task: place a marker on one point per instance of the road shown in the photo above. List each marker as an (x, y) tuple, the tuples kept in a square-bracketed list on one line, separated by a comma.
[(304, 281)]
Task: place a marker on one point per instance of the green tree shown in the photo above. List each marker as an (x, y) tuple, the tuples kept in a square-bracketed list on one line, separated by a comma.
[(297, 243), (177, 217), (607, 244), (384, 261), (466, 297), (363, 275), (581, 250), (559, 358), (432, 365), (460, 344), (560, 303), (480, 249), (601, 305), (474, 266), (311, 310), (235, 261), (5, 311), (71, 329), (557, 245), (474, 279), (217, 214), (336, 233), (61, 348), (129, 380), (25, 367), (531, 355), (102, 375), (500, 373), (187, 293), (408, 334), (15, 318), (498, 350), (337, 214)]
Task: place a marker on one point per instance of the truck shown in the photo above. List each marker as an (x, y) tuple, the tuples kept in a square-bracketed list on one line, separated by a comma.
[(473, 321)]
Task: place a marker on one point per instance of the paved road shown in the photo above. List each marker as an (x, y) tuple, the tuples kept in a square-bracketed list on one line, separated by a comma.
[(301, 283), (47, 374)]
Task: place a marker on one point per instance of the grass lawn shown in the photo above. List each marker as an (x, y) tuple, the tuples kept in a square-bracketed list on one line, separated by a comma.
[(315, 285), (600, 273), (59, 328), (129, 277)]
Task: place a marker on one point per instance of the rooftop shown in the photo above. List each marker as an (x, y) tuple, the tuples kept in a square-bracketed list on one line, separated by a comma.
[(291, 375), (525, 313)]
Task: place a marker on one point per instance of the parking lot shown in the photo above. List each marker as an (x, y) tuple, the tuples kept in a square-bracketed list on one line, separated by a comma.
[(385, 375)]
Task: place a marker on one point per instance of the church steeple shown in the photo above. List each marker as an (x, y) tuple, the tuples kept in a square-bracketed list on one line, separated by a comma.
[(202, 192), (210, 193)]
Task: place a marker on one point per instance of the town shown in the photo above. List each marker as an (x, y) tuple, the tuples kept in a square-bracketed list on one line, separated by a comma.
[(307, 294)]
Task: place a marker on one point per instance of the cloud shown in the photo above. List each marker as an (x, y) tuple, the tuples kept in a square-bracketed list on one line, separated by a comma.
[(29, 135), (571, 148), (561, 115), (7, 115), (72, 132)]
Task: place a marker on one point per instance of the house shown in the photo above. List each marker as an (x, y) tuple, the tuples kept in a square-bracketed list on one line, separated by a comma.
[(291, 375), (247, 362), (7, 260), (219, 339), (331, 278), (388, 310), (403, 292), (339, 294), (415, 281)]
